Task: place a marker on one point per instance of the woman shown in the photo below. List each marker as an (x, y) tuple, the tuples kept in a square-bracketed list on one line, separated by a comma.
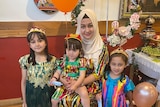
[(94, 50)]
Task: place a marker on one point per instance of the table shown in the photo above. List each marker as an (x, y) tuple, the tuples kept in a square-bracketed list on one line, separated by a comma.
[(146, 65)]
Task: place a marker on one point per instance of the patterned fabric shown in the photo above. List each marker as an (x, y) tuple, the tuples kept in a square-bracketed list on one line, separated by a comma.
[(72, 69), (38, 92), (73, 100), (114, 90), (69, 70)]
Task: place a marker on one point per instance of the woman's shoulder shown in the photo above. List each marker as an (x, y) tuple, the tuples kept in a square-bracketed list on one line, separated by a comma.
[(84, 60), (105, 48), (104, 51)]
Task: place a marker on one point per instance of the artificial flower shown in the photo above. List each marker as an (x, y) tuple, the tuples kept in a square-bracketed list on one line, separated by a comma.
[(120, 34)]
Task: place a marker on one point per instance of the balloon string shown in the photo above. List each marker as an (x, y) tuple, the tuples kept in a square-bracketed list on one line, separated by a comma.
[(66, 23)]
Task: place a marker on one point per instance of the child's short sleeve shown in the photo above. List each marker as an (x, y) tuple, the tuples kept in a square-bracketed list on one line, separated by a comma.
[(129, 85), (23, 61), (83, 64), (60, 64)]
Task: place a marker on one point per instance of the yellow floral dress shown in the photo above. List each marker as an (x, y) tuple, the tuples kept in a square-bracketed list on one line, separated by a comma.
[(38, 92)]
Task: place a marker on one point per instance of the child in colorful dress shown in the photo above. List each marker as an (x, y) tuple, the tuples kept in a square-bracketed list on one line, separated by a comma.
[(72, 66), (116, 85), (37, 69)]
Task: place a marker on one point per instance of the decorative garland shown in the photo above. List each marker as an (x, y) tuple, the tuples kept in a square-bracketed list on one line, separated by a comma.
[(119, 35), (76, 11)]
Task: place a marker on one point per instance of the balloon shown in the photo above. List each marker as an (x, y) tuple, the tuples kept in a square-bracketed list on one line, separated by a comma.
[(145, 94), (65, 5)]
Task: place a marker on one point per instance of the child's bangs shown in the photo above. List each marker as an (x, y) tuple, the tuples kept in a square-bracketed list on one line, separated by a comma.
[(73, 46)]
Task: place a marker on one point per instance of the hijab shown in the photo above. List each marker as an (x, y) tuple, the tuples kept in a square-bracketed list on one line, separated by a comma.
[(92, 47)]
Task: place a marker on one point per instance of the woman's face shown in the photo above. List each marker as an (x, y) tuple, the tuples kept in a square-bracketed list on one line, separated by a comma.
[(86, 29)]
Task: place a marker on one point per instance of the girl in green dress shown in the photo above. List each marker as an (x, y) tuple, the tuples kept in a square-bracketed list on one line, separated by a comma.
[(71, 67), (37, 69)]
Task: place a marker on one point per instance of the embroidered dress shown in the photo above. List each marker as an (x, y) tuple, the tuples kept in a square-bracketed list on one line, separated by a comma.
[(38, 92), (73, 100), (114, 90), (69, 70)]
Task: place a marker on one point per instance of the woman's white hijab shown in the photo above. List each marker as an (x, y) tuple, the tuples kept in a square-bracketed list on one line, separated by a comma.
[(92, 47)]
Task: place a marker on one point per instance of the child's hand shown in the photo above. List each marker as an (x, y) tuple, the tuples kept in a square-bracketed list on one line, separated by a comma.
[(24, 105), (99, 96), (72, 89), (66, 83), (131, 104), (51, 81)]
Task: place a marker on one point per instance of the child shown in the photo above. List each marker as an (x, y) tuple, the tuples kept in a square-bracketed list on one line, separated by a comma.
[(37, 69), (72, 66), (116, 84)]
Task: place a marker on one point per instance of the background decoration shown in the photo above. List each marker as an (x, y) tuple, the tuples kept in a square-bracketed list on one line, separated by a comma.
[(65, 5), (120, 34), (46, 6), (75, 12), (145, 94), (149, 7)]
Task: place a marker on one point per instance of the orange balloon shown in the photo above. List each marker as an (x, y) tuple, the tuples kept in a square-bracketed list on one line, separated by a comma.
[(145, 94), (65, 5)]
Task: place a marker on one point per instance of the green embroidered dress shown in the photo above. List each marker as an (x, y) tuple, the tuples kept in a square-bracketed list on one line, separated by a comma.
[(38, 92)]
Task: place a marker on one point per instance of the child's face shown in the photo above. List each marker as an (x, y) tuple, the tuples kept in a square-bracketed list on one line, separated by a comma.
[(117, 65), (37, 45), (72, 54), (87, 29)]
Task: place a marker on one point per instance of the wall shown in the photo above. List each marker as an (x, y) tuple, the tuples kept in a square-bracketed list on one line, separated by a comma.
[(26, 10), (11, 49), (20, 29)]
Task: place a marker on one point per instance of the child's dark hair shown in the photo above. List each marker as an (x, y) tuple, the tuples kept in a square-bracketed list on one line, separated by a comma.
[(74, 44), (108, 69), (40, 35)]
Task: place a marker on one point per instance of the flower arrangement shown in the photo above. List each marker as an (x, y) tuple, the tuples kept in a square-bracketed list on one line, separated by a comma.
[(120, 34), (76, 11)]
